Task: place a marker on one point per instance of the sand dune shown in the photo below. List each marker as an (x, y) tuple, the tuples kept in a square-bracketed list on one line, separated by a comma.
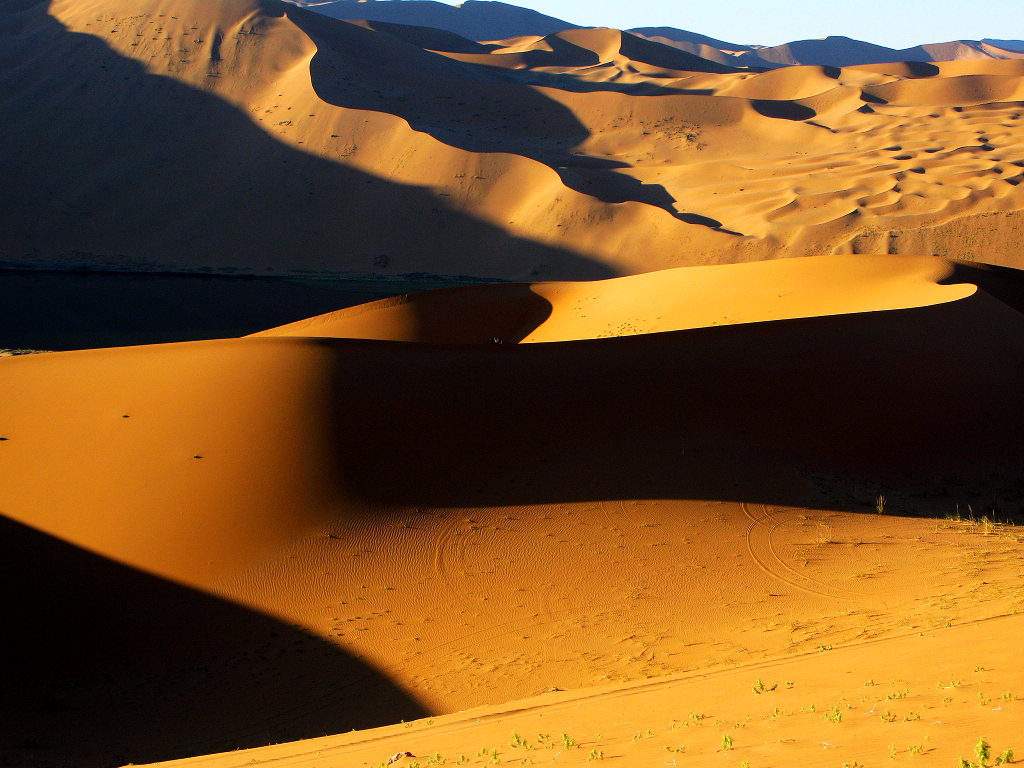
[(584, 154), (671, 300), (832, 51), (487, 20), (450, 523), (871, 702), (712, 504)]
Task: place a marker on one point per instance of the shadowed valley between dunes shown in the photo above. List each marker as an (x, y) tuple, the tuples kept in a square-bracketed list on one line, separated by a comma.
[(673, 495), (479, 522), (257, 136)]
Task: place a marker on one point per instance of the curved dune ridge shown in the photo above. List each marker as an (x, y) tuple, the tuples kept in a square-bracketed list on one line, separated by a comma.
[(670, 300), (372, 529), (589, 153)]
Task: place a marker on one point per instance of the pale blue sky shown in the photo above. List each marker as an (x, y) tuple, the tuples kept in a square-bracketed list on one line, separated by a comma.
[(895, 23)]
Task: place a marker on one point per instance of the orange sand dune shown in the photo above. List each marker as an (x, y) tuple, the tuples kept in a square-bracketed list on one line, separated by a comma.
[(443, 526), (150, 445), (926, 697), (378, 149), (670, 300)]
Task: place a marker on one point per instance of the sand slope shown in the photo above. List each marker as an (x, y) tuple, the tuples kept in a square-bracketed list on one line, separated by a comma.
[(260, 137), (871, 703), (670, 300), (832, 51), (449, 525)]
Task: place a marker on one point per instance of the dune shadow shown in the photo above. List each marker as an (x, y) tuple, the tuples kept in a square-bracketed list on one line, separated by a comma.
[(922, 68), (503, 314), (666, 57), (429, 38), (826, 411), (782, 110), (80, 310), (473, 107), (705, 221), (1003, 283), (562, 54), (112, 167), (106, 665)]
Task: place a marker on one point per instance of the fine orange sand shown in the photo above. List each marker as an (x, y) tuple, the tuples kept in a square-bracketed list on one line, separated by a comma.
[(729, 501), (380, 515), (263, 138)]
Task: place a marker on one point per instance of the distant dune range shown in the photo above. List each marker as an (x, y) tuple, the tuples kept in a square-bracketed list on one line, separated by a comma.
[(257, 137), (662, 488), (489, 20), (383, 513)]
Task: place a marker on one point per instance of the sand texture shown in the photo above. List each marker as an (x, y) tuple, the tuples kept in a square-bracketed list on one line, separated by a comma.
[(378, 515), (714, 458), (251, 136)]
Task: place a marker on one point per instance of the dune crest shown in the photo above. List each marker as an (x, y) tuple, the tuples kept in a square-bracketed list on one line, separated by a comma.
[(456, 523), (670, 300), (714, 462), (587, 153)]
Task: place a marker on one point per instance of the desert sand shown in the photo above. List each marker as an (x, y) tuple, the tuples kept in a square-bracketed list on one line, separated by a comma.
[(257, 136), (376, 516), (722, 467)]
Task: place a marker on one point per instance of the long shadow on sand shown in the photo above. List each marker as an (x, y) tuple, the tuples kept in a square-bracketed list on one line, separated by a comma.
[(104, 665), (469, 106), (920, 405), (108, 165), (74, 310)]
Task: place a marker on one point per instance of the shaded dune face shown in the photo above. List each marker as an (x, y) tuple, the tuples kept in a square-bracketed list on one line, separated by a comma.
[(62, 311), (498, 314), (256, 137), (357, 68), (209, 187), (105, 665), (788, 412), (805, 405), (305, 467)]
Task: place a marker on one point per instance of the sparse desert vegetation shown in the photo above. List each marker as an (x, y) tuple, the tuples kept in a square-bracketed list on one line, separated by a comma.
[(654, 409)]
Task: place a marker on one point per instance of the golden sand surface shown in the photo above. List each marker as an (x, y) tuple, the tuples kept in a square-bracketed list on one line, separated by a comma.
[(262, 138), (619, 529)]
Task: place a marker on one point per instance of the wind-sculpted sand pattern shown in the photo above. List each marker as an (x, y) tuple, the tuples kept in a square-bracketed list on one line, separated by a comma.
[(584, 154), (379, 515), (763, 525)]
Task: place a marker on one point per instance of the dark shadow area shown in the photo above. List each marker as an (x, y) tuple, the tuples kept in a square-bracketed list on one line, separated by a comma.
[(666, 57), (921, 405), (1004, 283), (871, 98), (919, 68), (835, 51), (705, 221), (782, 110), (1007, 45), (430, 39), (685, 36), (562, 54), (108, 665), (501, 314), (473, 107), (66, 310), (472, 19), (108, 166)]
